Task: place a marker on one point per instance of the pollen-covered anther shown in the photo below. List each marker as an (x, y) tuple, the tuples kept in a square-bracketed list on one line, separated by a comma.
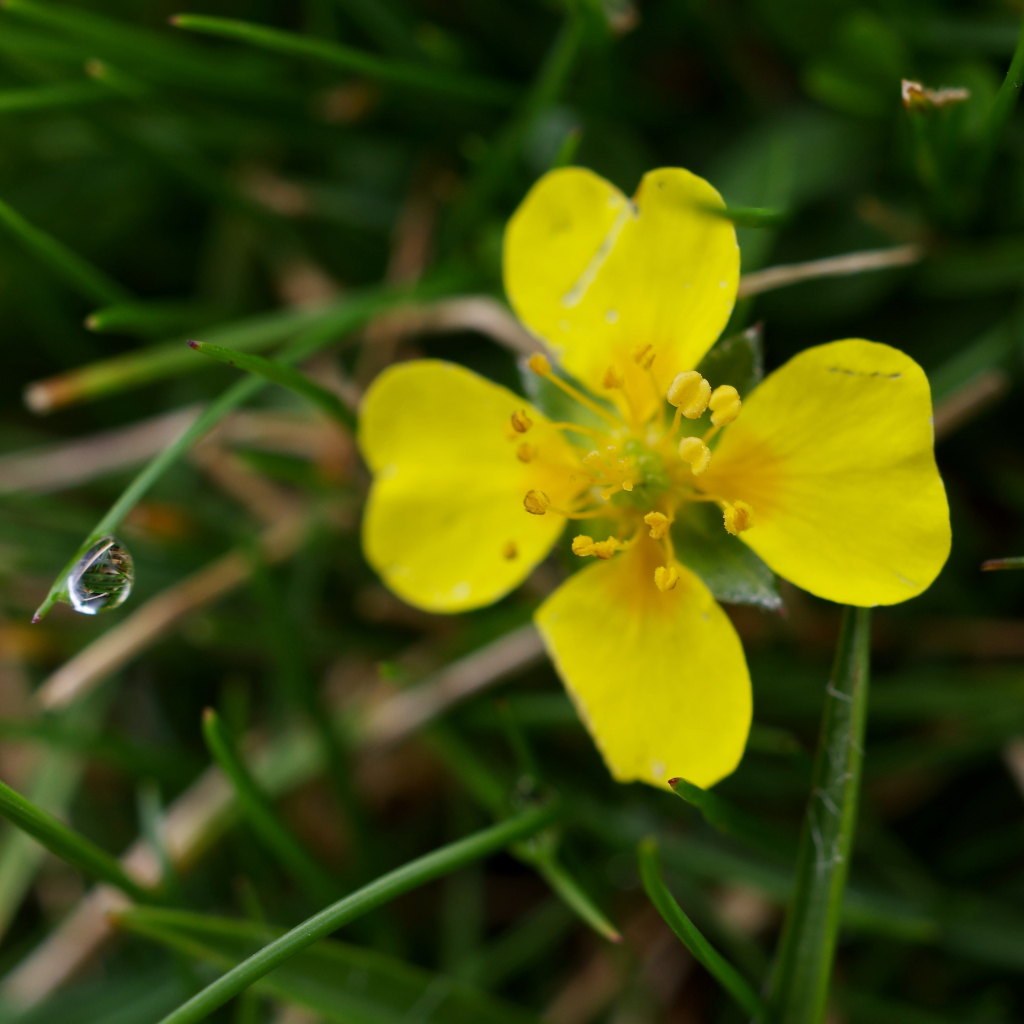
[(613, 379), (644, 356), (536, 502), (521, 423), (585, 546), (666, 577), (689, 392), (526, 452), (694, 451), (739, 516), (724, 404), (539, 364), (659, 524)]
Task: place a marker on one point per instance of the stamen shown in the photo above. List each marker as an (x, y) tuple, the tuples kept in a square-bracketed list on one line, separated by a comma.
[(536, 503), (659, 524), (689, 392), (666, 577), (739, 516), (613, 379), (584, 546), (526, 452), (644, 356), (510, 550), (540, 366), (724, 404), (694, 451), (521, 423)]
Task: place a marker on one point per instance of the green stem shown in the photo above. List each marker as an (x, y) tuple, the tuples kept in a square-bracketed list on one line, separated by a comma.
[(265, 821), (800, 985), (384, 889), (287, 376), (717, 966), (67, 844)]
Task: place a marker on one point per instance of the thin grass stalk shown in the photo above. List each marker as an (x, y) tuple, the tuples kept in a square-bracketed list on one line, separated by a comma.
[(425, 869), (803, 972), (1003, 106)]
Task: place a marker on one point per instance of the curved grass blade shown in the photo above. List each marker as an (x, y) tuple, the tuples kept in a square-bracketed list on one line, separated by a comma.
[(385, 69), (288, 377), (751, 216), (60, 94), (1003, 106), (800, 984), (384, 889), (720, 969), (67, 844), (346, 318), (265, 821), (78, 273)]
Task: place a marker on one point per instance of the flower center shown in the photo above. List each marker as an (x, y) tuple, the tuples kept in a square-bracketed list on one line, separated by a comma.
[(636, 474)]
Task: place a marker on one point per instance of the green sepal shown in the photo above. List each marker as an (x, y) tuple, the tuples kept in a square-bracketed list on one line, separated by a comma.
[(737, 360), (729, 569)]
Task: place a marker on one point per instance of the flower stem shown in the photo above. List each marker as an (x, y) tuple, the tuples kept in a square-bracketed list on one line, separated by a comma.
[(800, 984)]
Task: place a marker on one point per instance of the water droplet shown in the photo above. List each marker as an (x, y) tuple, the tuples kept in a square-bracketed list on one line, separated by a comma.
[(102, 578)]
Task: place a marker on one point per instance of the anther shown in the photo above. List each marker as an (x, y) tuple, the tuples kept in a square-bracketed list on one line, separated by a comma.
[(584, 546), (510, 550), (725, 405), (539, 364), (644, 356), (521, 423), (526, 452), (689, 392), (659, 524), (606, 548), (694, 451), (613, 379), (665, 577), (739, 516), (536, 502)]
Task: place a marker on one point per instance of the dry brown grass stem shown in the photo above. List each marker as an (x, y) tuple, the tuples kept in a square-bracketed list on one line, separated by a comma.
[(834, 266)]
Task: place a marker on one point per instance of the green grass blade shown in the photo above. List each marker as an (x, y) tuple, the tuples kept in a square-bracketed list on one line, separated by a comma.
[(78, 273), (384, 69), (305, 345), (1004, 105), (800, 984), (751, 216), (720, 969), (66, 843), (265, 821), (287, 376), (384, 889), (572, 893), (1003, 563), (42, 97), (149, 318)]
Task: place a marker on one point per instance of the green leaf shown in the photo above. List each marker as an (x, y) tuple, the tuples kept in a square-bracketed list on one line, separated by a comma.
[(336, 981), (803, 973), (729, 569), (737, 360)]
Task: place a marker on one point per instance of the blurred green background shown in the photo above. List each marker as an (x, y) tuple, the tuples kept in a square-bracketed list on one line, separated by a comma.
[(248, 191)]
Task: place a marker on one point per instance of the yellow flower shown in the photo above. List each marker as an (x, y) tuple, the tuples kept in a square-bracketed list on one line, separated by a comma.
[(826, 470)]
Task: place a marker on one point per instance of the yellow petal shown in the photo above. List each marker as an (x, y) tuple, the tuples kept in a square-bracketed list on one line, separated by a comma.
[(658, 677), (445, 525), (598, 277), (834, 453)]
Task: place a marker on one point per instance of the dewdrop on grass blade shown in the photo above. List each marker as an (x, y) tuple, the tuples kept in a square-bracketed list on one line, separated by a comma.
[(102, 578)]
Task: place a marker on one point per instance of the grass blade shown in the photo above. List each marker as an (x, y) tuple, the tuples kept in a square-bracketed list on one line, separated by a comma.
[(149, 318), (384, 889), (61, 94), (720, 969), (751, 216), (66, 843), (385, 69), (265, 821), (803, 972), (81, 275), (1003, 106), (288, 377)]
